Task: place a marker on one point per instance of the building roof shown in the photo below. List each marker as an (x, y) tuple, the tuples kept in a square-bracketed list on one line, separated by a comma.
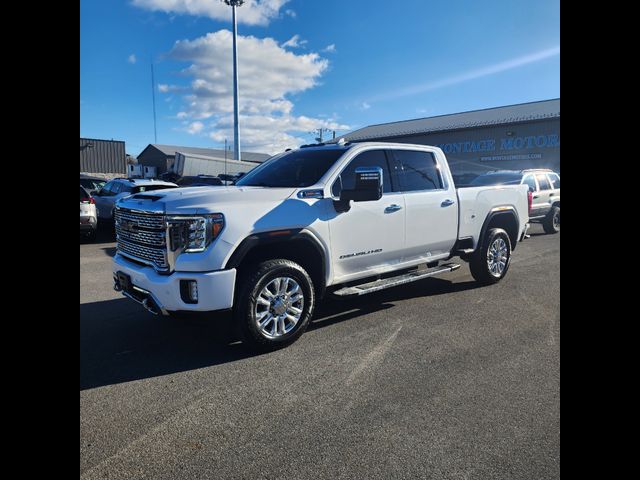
[(521, 112), (208, 152)]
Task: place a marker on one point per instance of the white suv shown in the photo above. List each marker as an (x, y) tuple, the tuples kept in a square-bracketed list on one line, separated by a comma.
[(544, 187)]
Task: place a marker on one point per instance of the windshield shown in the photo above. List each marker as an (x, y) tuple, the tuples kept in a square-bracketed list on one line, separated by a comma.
[(298, 168), (497, 179)]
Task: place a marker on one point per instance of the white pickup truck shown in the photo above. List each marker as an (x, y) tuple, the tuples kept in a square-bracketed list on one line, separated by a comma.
[(342, 219)]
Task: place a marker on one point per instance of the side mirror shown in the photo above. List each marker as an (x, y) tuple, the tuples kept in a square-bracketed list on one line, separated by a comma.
[(368, 185)]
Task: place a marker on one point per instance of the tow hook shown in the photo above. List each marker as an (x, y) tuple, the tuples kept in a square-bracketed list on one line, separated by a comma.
[(116, 285), (150, 305)]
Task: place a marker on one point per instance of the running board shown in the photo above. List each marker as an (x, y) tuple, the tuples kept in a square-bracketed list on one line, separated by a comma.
[(383, 283)]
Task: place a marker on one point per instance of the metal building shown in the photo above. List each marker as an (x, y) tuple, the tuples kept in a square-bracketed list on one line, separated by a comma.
[(102, 156), (512, 137), (163, 157)]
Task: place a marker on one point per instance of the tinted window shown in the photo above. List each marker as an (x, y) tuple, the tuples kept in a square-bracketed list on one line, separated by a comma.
[(91, 184), (496, 179), (106, 190), (372, 158), (83, 194), (555, 180), (419, 171), (125, 188), (149, 188), (298, 168), (115, 188), (543, 182), (529, 180)]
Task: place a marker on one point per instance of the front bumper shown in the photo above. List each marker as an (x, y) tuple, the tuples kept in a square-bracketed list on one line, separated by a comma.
[(215, 289)]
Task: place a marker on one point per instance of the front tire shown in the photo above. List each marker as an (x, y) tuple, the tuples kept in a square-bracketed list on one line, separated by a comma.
[(551, 222), (490, 262), (275, 304)]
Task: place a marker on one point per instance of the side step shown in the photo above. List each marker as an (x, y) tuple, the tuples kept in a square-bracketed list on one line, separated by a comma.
[(383, 283)]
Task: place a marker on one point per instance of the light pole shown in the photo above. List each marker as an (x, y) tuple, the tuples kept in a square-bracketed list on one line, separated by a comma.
[(236, 123)]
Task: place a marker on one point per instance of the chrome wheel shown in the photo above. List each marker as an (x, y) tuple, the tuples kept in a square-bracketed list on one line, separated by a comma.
[(556, 221), (279, 307), (497, 257)]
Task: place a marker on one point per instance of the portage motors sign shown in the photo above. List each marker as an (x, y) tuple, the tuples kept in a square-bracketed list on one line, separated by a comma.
[(504, 145)]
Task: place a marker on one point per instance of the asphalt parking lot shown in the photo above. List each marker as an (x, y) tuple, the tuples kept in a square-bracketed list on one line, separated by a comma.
[(438, 379)]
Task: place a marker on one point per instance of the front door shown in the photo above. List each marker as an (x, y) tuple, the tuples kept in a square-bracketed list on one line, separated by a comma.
[(369, 238), (542, 203)]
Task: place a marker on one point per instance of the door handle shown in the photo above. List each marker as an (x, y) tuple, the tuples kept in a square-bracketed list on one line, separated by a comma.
[(392, 208), (535, 196), (551, 194), (447, 202)]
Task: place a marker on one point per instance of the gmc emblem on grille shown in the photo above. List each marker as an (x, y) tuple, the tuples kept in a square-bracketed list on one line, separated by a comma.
[(127, 226)]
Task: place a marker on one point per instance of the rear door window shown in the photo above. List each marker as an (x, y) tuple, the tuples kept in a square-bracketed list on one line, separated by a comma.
[(543, 181), (555, 180), (419, 171)]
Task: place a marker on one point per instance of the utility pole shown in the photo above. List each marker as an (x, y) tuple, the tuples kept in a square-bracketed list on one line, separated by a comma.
[(153, 96), (236, 123)]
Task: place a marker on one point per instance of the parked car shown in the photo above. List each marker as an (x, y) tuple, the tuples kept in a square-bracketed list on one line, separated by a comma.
[(200, 181), (118, 188), (544, 185), (88, 217), (92, 184), (344, 219)]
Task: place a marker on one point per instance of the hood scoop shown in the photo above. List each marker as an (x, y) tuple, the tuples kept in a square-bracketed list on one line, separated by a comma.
[(142, 196)]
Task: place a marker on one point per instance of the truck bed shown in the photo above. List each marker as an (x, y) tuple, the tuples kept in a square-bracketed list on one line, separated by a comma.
[(475, 203)]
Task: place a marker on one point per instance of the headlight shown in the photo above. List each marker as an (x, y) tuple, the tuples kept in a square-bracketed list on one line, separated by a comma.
[(195, 233)]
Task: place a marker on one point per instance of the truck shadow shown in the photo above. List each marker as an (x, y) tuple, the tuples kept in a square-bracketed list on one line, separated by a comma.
[(120, 342)]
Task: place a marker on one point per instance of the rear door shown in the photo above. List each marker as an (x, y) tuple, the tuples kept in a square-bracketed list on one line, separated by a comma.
[(543, 200), (554, 180), (431, 205), (103, 200)]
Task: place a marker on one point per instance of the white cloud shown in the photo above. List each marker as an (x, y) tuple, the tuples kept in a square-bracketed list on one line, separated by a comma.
[(365, 106), (330, 48), (253, 12), (291, 13), (268, 73), (295, 42), (195, 127), (132, 58)]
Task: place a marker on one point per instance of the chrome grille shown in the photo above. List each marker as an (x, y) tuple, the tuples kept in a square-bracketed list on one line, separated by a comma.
[(144, 220), (142, 236)]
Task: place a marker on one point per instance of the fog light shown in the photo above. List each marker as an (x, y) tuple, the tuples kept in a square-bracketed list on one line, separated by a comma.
[(193, 290), (189, 291)]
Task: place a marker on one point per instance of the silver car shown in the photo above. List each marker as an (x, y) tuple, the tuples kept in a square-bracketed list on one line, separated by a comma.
[(114, 190)]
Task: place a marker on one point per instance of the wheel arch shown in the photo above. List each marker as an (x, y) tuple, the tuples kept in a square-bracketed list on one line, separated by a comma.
[(296, 245), (507, 219)]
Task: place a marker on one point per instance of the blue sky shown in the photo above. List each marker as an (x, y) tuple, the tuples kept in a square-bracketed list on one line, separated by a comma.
[(305, 65)]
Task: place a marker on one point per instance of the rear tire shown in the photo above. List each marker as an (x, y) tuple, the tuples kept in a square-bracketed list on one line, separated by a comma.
[(275, 304), (551, 222), (490, 262)]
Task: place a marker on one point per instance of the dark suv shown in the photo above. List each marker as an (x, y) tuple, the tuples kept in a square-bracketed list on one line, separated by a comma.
[(544, 186)]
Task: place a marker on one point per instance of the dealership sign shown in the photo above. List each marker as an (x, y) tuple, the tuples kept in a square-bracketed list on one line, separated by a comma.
[(505, 144)]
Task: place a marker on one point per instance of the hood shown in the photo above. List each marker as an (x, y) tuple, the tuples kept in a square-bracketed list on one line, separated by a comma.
[(199, 200)]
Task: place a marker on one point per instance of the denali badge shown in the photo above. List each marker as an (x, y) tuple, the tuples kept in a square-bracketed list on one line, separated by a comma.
[(349, 255)]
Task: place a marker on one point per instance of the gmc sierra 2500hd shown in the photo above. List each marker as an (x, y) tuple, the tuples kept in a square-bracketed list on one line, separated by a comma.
[(342, 219)]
